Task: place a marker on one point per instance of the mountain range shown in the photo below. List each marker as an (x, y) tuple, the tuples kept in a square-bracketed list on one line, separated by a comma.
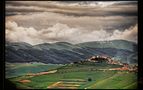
[(64, 52)]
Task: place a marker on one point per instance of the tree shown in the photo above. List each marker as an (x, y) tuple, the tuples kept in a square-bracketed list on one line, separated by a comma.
[(89, 79)]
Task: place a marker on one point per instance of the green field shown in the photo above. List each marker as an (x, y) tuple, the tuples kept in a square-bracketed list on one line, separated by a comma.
[(75, 76), (19, 69)]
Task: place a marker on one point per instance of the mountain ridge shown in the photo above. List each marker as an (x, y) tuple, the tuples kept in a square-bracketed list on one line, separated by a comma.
[(63, 52)]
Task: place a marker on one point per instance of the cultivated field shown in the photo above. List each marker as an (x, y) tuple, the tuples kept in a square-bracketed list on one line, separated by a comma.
[(76, 76)]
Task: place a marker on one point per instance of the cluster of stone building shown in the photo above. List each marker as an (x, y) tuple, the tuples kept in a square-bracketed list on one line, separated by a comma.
[(125, 66)]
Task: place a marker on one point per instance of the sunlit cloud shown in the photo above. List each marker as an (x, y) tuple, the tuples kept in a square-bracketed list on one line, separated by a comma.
[(62, 32)]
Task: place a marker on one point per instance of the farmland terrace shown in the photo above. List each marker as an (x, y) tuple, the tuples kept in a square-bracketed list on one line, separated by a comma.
[(97, 72)]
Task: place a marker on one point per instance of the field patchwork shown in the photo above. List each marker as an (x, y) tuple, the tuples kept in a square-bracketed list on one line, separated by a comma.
[(67, 84)]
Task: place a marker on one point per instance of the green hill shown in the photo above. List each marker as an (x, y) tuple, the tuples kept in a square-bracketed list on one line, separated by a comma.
[(76, 76)]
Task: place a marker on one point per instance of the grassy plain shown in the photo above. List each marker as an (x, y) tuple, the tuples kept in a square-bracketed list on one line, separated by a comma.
[(75, 76)]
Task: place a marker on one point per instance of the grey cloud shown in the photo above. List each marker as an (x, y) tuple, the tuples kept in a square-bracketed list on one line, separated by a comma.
[(72, 22), (46, 19), (129, 9), (62, 32)]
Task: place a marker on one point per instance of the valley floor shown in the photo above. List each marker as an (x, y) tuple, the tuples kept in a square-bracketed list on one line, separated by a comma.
[(77, 76)]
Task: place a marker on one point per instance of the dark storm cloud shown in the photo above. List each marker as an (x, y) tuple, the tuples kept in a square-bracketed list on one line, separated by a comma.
[(46, 19), (74, 22), (120, 8), (127, 3)]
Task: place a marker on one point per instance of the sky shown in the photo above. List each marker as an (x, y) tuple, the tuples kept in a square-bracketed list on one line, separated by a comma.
[(38, 22)]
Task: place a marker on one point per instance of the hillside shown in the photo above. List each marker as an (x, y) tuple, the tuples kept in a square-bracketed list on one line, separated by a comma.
[(63, 52), (85, 75), (96, 72), (118, 44)]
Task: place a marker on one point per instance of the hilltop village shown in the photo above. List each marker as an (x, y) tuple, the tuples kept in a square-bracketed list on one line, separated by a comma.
[(109, 60), (99, 60)]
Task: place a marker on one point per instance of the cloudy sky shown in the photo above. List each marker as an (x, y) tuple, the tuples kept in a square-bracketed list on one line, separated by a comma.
[(37, 22)]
